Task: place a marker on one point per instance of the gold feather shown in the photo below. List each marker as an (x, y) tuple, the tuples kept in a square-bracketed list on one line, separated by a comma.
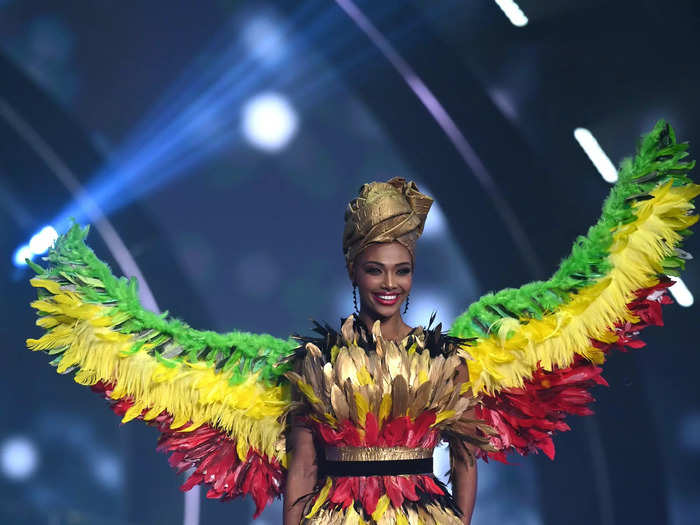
[(350, 398), (358, 356), (412, 516), (394, 360), (339, 403), (420, 400), (436, 369), (328, 378), (399, 393), (344, 367), (313, 350), (425, 516), (347, 330)]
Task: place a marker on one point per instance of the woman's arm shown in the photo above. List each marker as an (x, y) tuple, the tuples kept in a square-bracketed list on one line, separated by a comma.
[(301, 472), (464, 486), (464, 475)]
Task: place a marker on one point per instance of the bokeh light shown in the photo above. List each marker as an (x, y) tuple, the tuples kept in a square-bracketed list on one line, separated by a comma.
[(19, 458), (269, 122)]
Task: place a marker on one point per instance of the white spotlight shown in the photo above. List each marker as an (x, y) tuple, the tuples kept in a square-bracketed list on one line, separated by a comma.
[(680, 292), (598, 157), (513, 12), (43, 240), (22, 253), (269, 122), (18, 458)]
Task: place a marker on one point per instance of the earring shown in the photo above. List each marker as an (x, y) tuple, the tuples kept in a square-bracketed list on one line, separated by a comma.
[(405, 308), (354, 298)]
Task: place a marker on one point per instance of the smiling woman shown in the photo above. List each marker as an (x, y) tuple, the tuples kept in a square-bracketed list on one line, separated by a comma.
[(344, 424), (373, 411), (380, 395)]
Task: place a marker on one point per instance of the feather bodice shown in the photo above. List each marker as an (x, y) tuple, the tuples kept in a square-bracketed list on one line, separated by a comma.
[(361, 389)]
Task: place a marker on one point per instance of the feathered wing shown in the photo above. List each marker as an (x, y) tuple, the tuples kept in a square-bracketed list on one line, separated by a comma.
[(217, 399), (538, 347)]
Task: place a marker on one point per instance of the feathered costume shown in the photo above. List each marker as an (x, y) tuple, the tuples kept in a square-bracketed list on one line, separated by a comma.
[(220, 401)]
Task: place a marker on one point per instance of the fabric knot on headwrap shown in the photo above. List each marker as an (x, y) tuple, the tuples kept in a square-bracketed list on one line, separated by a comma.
[(383, 212)]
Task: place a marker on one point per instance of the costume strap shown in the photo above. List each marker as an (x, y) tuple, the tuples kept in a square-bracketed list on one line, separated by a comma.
[(377, 461), (342, 454)]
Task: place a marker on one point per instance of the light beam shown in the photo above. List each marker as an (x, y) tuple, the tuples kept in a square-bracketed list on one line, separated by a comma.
[(595, 153)]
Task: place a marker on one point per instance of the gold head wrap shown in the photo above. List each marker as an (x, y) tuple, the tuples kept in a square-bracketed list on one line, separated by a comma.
[(391, 211)]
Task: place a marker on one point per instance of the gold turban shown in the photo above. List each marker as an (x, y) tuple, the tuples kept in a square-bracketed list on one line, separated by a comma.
[(391, 211)]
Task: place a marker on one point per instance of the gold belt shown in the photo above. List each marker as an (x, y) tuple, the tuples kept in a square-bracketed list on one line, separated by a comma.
[(377, 453)]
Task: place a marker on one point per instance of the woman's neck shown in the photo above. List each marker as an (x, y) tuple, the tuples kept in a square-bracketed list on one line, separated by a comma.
[(393, 328)]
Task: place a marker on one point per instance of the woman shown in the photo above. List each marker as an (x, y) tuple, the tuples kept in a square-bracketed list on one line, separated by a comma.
[(374, 399), (382, 225)]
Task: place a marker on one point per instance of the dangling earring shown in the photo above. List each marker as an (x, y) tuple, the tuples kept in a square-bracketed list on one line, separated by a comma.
[(405, 308), (354, 298)]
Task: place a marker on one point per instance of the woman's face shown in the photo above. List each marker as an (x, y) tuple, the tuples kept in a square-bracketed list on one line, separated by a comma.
[(383, 274)]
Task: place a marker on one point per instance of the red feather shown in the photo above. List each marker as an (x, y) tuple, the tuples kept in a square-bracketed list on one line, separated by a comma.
[(371, 430)]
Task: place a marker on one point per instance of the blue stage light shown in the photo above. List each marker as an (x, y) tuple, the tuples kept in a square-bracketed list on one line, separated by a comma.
[(38, 244), (43, 240), (22, 253), (201, 114)]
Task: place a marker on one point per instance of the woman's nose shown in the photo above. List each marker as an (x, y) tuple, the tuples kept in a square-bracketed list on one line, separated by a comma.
[(388, 281)]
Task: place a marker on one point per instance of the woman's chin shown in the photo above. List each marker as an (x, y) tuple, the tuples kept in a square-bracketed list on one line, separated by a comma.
[(383, 311)]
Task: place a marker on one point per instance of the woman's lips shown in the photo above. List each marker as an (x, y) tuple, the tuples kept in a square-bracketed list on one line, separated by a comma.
[(386, 299)]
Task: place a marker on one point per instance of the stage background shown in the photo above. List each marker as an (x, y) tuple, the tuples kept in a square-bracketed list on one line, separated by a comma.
[(222, 139)]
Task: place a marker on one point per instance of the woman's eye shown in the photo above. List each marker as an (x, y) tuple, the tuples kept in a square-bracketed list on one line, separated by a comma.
[(373, 271), (404, 271)]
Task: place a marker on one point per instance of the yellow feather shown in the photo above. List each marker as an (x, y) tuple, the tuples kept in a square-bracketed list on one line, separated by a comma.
[(85, 377), (51, 286), (351, 516), (362, 407), (242, 448), (422, 376), (382, 505), (152, 413), (442, 415), (384, 408), (321, 499), (306, 389), (133, 412), (363, 377)]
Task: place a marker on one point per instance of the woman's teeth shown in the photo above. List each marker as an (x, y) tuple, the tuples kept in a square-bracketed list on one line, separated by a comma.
[(387, 299)]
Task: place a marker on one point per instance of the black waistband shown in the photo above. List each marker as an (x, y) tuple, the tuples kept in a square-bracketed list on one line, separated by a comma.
[(377, 468)]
